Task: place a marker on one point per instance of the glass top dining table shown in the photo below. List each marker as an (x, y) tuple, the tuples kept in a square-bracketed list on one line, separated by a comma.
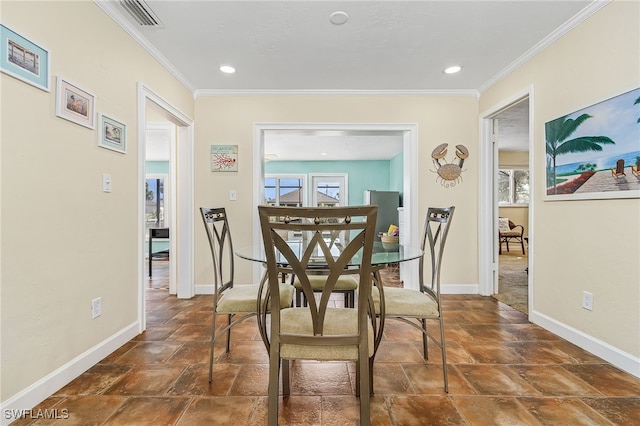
[(383, 254)]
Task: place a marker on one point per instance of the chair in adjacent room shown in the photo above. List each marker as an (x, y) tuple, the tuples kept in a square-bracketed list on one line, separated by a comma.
[(416, 307), (508, 231), (237, 302), (319, 331)]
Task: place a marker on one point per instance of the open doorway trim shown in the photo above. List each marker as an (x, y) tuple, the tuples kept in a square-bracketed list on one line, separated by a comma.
[(409, 272), (487, 204), (182, 229)]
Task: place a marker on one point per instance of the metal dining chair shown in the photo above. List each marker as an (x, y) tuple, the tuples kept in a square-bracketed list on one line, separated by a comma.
[(415, 307), (237, 302), (319, 331), (345, 285)]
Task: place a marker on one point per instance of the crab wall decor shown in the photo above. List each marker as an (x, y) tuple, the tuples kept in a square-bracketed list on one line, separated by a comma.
[(449, 174)]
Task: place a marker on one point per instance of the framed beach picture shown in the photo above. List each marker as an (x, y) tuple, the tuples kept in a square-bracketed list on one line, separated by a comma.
[(594, 153), (23, 59), (112, 134), (75, 104), (224, 158)]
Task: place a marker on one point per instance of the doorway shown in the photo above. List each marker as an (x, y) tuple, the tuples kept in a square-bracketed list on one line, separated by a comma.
[(493, 129), (159, 198), (153, 108), (409, 167), (511, 129)]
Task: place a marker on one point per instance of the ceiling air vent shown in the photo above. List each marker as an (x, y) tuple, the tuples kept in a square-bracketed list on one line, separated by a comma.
[(141, 12)]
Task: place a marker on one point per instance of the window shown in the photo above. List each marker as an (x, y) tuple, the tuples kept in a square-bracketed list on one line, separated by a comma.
[(328, 190), (284, 190), (513, 187), (155, 208)]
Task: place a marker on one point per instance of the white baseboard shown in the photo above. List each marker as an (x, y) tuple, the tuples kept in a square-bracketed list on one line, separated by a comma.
[(51, 383), (611, 354), (203, 289), (460, 289)]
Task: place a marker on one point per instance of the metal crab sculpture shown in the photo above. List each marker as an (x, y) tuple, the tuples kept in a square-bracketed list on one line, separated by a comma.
[(449, 174)]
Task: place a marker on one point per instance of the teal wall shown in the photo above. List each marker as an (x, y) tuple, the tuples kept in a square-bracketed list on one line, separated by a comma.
[(157, 167), (363, 175), (396, 169)]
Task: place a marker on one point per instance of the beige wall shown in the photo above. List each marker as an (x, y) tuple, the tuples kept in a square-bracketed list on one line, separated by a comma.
[(453, 119), (64, 241), (591, 245)]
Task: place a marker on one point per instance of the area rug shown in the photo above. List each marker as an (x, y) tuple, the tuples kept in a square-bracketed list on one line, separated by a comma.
[(513, 280)]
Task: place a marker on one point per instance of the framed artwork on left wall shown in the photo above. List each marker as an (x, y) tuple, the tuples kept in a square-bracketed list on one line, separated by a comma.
[(75, 104), (23, 59), (112, 134)]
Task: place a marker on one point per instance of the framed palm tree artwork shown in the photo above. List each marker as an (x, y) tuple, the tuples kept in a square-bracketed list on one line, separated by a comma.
[(594, 153)]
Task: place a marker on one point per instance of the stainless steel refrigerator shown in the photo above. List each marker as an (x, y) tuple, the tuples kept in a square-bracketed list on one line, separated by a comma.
[(388, 203)]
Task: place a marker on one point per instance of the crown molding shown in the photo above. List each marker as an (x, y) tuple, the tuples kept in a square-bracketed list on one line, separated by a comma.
[(579, 18), (115, 14), (301, 92)]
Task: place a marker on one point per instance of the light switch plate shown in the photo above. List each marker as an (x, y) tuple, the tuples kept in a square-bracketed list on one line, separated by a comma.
[(106, 182), (233, 195)]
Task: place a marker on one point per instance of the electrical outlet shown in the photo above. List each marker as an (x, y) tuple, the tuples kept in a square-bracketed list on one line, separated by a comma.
[(587, 300), (96, 307)]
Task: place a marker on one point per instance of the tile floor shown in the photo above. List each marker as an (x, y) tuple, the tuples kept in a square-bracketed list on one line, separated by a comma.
[(502, 371)]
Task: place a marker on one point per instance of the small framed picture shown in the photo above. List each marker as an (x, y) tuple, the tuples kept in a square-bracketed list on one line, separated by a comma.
[(75, 104), (112, 134), (23, 59), (224, 158)]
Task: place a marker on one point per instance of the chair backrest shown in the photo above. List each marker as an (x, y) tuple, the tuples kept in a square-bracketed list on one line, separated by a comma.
[(219, 236), (318, 251), (620, 166), (436, 229)]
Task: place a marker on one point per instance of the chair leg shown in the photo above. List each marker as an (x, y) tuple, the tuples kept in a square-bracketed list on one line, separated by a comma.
[(444, 356), (371, 376), (286, 383), (274, 373), (364, 369), (522, 244), (425, 339), (213, 336), (229, 333)]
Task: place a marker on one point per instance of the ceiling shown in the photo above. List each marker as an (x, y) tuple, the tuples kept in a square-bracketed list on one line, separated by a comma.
[(395, 47)]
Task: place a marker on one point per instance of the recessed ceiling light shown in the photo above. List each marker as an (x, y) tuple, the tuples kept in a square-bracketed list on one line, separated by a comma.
[(452, 70), (227, 69), (323, 153), (338, 17)]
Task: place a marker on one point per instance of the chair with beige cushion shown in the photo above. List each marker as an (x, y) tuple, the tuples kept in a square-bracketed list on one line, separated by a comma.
[(237, 302), (507, 231), (319, 331), (415, 307)]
